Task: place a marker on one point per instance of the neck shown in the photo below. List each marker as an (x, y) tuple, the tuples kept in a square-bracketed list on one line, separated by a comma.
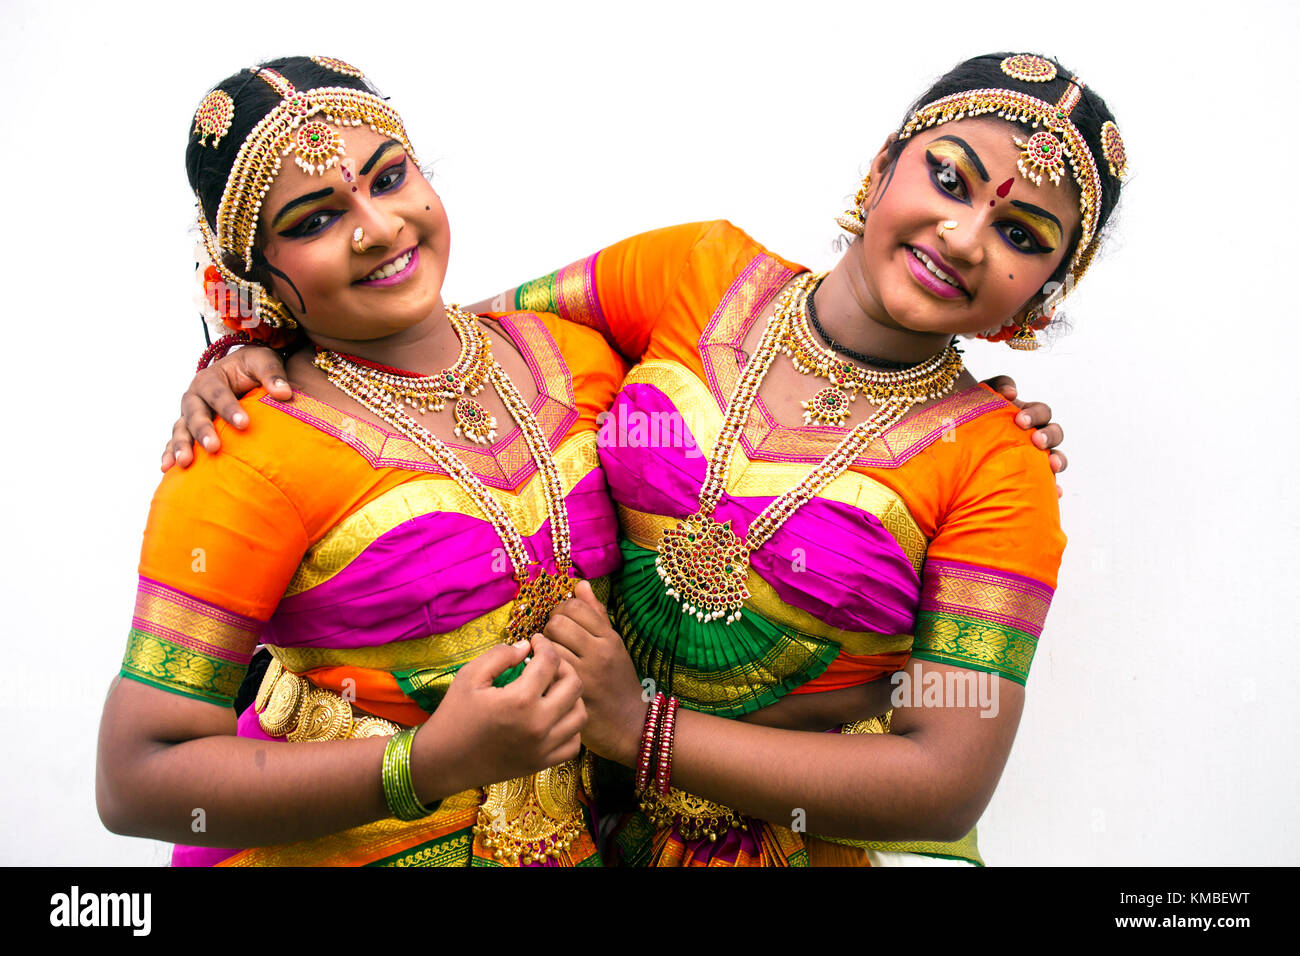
[(851, 315), (426, 347)]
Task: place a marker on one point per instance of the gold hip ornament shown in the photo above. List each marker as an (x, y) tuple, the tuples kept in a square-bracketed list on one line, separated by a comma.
[(530, 819)]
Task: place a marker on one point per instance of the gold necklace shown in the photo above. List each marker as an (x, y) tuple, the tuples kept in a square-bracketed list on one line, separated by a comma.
[(537, 596), (831, 405), (424, 392), (703, 563)]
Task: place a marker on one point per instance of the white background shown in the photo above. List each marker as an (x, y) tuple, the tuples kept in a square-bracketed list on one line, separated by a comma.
[(1160, 726)]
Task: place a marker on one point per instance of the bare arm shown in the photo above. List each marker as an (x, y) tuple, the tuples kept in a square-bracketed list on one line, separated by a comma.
[(163, 756), (930, 778)]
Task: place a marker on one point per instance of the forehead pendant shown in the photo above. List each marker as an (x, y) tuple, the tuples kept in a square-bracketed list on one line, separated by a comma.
[(1044, 152)]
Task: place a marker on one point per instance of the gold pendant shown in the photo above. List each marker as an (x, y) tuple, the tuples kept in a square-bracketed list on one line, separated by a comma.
[(704, 566), (474, 422), (830, 406), (529, 819), (533, 604)]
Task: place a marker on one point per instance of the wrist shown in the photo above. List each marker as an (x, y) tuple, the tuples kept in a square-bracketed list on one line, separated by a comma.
[(436, 769), (629, 746)]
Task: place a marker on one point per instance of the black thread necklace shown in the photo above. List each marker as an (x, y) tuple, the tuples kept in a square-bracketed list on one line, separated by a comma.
[(887, 364)]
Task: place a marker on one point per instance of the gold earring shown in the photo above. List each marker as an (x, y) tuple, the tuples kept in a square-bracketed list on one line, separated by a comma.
[(357, 235), (1024, 340), (853, 220)]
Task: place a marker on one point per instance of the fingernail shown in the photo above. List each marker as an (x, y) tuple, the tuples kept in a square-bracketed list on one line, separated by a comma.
[(1022, 419), (1040, 440), (521, 643), (240, 419), (208, 442), (280, 383)]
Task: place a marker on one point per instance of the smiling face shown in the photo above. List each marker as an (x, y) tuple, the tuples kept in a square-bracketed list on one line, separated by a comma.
[(956, 240), (307, 228)]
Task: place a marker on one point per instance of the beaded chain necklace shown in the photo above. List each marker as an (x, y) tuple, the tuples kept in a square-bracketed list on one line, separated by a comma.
[(536, 596), (702, 562), (425, 392)]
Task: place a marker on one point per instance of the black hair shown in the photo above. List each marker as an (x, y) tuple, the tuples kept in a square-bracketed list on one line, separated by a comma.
[(208, 168), (1088, 116)]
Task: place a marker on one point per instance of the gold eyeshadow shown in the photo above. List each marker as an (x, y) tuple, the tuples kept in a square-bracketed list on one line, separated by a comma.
[(299, 214), (945, 152), (1044, 227)]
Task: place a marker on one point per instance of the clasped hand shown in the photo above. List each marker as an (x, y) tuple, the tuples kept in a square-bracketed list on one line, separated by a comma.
[(581, 634)]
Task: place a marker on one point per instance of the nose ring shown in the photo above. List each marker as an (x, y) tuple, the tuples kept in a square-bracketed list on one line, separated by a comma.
[(357, 235), (946, 225)]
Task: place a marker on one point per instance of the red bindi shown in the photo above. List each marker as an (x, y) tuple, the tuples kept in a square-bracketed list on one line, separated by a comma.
[(1005, 188)]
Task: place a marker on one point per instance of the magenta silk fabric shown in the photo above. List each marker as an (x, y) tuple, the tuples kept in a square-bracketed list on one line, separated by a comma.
[(833, 560), (434, 573)]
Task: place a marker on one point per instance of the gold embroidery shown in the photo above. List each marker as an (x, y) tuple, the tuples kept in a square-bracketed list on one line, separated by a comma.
[(178, 669), (164, 612), (348, 539), (375, 840), (440, 651), (987, 594), (973, 643)]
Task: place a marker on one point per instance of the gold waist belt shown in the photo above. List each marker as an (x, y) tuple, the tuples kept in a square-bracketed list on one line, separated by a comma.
[(290, 706), (696, 817), (523, 820)]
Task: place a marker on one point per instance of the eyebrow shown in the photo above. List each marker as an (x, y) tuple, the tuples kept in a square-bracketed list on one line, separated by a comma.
[(970, 154), (374, 157), (300, 201), (1037, 211)]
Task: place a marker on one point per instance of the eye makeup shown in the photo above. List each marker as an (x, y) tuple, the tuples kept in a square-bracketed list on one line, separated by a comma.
[(1041, 221)]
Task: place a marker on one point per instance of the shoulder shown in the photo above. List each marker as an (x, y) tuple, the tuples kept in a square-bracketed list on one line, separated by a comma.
[(595, 369)]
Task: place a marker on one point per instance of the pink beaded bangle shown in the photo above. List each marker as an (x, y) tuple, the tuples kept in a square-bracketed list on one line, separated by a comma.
[(648, 734)]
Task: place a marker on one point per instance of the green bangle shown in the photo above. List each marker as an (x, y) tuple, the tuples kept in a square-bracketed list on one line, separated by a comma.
[(399, 789)]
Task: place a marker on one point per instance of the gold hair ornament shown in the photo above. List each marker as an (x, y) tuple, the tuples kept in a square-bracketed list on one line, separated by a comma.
[(338, 66), (1112, 150), (214, 116), (1029, 68), (290, 128)]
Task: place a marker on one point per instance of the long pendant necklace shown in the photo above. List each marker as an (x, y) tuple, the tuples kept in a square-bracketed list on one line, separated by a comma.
[(532, 818), (424, 392), (536, 595), (703, 563)]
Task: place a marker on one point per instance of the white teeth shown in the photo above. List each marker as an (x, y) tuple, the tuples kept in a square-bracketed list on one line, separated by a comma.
[(935, 269), (394, 267)]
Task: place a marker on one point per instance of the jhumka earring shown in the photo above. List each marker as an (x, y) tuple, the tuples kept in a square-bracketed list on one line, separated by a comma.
[(853, 220), (1024, 340)]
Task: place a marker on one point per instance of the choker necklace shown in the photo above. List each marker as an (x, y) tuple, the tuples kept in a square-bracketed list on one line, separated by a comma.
[(830, 406), (469, 373), (702, 562)]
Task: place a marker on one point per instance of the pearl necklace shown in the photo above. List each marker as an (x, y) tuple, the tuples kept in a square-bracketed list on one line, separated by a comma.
[(703, 563), (537, 596)]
